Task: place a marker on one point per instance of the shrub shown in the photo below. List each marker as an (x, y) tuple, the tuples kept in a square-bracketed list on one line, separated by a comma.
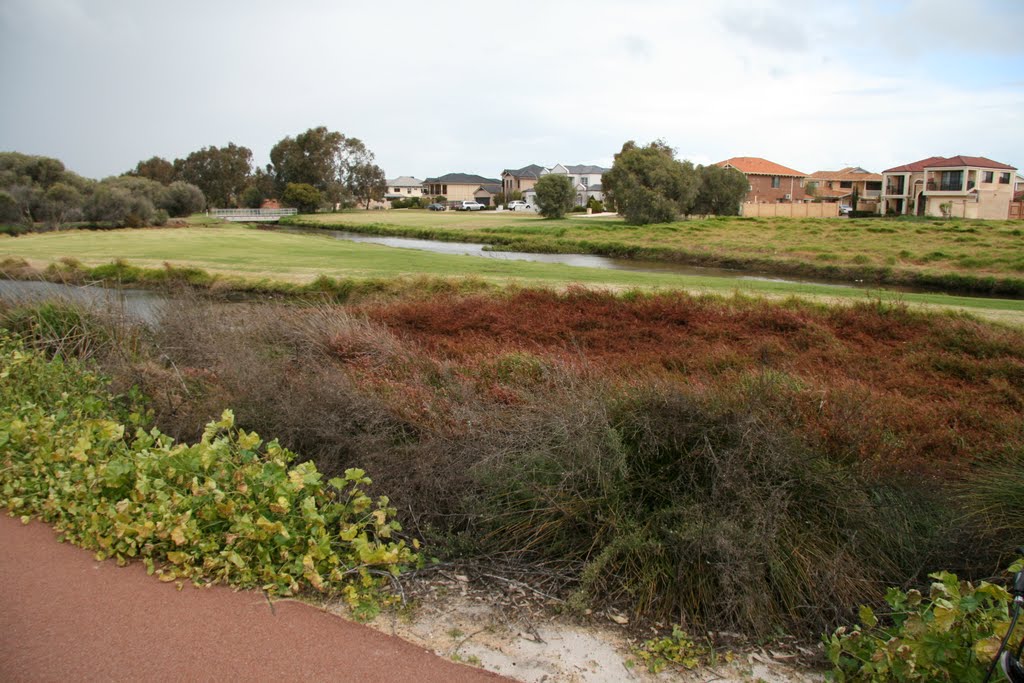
[(595, 206), (951, 634), (183, 199), (554, 195), (229, 508)]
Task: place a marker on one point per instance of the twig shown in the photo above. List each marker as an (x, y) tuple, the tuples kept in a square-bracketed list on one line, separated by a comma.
[(523, 585)]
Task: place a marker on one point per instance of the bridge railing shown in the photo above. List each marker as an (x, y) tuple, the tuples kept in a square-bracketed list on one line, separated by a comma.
[(252, 213)]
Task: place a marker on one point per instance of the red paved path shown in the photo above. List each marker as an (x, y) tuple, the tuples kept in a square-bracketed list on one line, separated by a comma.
[(66, 617)]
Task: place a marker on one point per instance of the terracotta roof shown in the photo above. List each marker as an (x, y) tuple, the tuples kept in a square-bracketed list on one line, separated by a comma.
[(845, 174), (759, 166), (942, 162)]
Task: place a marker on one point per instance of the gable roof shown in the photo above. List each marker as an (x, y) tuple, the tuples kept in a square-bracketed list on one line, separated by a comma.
[(759, 166), (404, 181), (944, 162), (490, 187), (848, 173), (463, 179), (531, 171)]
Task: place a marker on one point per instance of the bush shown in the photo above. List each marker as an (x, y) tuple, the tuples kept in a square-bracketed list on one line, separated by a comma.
[(183, 199), (952, 634), (226, 509), (579, 209), (554, 195), (302, 196), (595, 206)]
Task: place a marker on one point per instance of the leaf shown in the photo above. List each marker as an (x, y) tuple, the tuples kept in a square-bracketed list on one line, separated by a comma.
[(178, 535), (944, 617), (867, 617), (985, 650)]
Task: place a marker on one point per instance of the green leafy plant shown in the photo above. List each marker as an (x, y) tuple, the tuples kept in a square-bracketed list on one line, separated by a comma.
[(679, 650), (229, 508), (950, 635)]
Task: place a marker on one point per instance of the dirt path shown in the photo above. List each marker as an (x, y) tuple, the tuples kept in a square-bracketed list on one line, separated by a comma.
[(66, 617)]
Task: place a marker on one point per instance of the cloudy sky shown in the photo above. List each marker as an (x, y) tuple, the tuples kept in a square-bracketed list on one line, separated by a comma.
[(443, 86)]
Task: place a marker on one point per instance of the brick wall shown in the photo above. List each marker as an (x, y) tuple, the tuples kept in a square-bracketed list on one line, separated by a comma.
[(761, 189)]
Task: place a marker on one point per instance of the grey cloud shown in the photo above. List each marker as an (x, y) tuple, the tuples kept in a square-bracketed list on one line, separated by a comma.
[(770, 29)]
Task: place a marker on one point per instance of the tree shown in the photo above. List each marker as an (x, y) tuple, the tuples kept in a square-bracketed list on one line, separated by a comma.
[(62, 203), (310, 158), (182, 199), (649, 185), (302, 196), (721, 191), (555, 195), (155, 168), (340, 167), (855, 198), (366, 182), (221, 173), (260, 188)]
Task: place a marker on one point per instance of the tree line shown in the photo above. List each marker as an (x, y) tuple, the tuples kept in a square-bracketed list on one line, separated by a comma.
[(316, 168), (649, 185)]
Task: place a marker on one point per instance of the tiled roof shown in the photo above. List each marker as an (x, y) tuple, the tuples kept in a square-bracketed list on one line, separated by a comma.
[(586, 170), (463, 179), (845, 174), (404, 181), (490, 187), (531, 171), (943, 162), (759, 166)]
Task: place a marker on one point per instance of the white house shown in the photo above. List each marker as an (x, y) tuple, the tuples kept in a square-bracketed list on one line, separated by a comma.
[(403, 187), (586, 182)]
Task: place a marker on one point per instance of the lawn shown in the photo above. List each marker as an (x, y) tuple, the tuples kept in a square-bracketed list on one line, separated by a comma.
[(258, 254), (974, 256)]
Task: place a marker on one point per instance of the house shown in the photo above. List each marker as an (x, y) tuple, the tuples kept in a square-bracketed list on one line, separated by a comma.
[(585, 180), (769, 182), (520, 179), (458, 187), (486, 193), (960, 186), (838, 186), (403, 187)]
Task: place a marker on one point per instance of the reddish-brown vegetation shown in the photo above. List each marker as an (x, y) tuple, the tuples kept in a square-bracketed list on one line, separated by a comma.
[(907, 392)]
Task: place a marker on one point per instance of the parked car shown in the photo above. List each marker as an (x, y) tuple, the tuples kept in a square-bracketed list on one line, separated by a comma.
[(470, 206), (844, 209), (519, 205), (436, 207)]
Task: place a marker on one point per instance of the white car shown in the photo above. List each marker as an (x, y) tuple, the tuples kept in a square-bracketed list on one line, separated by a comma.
[(518, 205), (471, 206), (845, 209)]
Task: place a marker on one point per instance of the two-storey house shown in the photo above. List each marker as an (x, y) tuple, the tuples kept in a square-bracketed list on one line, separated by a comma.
[(960, 186), (585, 180), (459, 187), (838, 186), (403, 187)]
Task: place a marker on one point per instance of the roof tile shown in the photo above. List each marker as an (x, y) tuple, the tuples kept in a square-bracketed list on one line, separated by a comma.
[(759, 166)]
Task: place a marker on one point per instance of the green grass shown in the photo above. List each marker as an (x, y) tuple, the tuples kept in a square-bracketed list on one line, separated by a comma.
[(231, 250), (971, 256)]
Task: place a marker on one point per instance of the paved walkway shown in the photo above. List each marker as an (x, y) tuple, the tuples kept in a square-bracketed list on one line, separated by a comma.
[(66, 617)]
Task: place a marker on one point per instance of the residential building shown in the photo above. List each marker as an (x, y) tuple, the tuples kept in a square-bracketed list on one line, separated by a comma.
[(486, 193), (960, 186), (838, 186), (585, 180), (520, 179), (769, 182), (404, 187), (458, 187)]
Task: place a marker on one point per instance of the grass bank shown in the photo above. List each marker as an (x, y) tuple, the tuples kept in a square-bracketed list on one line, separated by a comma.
[(236, 258), (718, 462), (952, 255)]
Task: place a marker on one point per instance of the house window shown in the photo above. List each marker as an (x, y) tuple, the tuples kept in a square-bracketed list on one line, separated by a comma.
[(951, 181), (874, 185), (987, 176), (444, 189), (776, 182), (585, 180), (1004, 178), (845, 184)]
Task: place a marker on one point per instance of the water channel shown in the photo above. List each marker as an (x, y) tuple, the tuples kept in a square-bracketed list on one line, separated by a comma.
[(579, 260)]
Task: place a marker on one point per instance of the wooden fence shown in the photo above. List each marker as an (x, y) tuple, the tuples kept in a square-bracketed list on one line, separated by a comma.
[(1016, 210)]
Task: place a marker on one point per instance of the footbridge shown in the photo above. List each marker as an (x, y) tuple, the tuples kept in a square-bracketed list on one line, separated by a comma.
[(252, 215)]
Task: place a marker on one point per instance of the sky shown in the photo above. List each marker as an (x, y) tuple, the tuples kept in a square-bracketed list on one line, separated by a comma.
[(441, 87)]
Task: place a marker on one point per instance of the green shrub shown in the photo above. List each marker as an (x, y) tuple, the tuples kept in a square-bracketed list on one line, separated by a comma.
[(950, 635), (707, 504), (229, 508)]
